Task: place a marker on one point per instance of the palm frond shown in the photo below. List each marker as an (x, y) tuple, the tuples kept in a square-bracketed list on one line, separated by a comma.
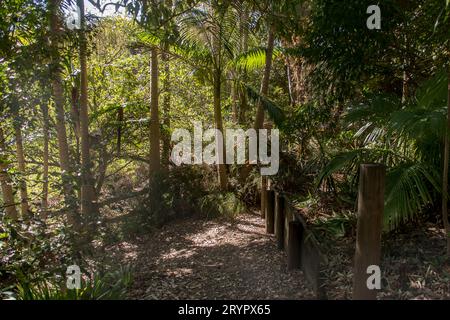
[(419, 123), (376, 109), (252, 59), (273, 110), (349, 161), (409, 189), (338, 163), (433, 91), (148, 39)]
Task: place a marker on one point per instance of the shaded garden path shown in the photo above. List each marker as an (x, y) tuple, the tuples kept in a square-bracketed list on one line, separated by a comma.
[(220, 259)]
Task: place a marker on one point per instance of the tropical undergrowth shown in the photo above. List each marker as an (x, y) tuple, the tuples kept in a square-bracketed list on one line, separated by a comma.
[(407, 137)]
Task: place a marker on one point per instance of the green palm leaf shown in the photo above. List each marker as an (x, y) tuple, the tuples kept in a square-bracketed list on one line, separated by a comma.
[(409, 188), (273, 110), (252, 59)]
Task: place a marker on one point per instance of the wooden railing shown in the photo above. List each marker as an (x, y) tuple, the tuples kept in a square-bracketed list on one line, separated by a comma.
[(294, 237), (303, 250)]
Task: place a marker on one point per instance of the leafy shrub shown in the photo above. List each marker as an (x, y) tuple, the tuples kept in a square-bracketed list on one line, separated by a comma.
[(33, 247), (108, 286), (171, 195), (221, 204), (249, 193), (338, 226)]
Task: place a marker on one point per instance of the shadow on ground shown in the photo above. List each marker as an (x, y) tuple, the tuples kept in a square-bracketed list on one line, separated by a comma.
[(198, 259)]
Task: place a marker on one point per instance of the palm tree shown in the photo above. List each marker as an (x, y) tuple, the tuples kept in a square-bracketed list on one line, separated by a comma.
[(209, 40), (259, 119), (157, 20), (211, 30), (203, 42)]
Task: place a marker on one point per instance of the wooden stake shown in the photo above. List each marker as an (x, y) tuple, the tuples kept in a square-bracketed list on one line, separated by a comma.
[(368, 238), (270, 211), (279, 220), (263, 196)]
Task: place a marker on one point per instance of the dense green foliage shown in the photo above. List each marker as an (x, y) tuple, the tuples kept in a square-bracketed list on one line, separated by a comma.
[(340, 94)]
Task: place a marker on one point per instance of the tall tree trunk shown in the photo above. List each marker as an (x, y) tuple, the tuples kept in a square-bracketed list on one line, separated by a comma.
[(87, 181), (259, 119), (166, 112), (75, 114), (58, 98), (445, 173), (221, 167), (217, 86), (101, 169), (289, 79), (24, 207), (46, 125), (5, 181), (297, 73), (155, 156), (243, 48), (234, 98), (405, 80)]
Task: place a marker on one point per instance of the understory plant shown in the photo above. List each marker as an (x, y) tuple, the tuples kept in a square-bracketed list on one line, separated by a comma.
[(407, 137)]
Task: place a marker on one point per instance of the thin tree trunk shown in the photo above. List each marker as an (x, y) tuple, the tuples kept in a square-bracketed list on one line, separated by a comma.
[(155, 156), (58, 98), (166, 112), (243, 103), (87, 181), (234, 98), (221, 167), (101, 170), (120, 115), (244, 48), (288, 75), (405, 86), (445, 174), (217, 85), (45, 158), (24, 207), (259, 119), (405, 80), (5, 181), (75, 113)]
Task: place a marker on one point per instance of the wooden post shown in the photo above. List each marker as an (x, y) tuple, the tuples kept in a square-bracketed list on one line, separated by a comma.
[(263, 196), (270, 211), (287, 220), (279, 220), (295, 234), (368, 235)]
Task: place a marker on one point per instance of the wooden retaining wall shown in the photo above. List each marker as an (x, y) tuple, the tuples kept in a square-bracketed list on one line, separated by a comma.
[(294, 237), (302, 248)]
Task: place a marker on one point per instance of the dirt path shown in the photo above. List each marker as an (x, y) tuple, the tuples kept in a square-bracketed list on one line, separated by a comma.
[(198, 259)]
